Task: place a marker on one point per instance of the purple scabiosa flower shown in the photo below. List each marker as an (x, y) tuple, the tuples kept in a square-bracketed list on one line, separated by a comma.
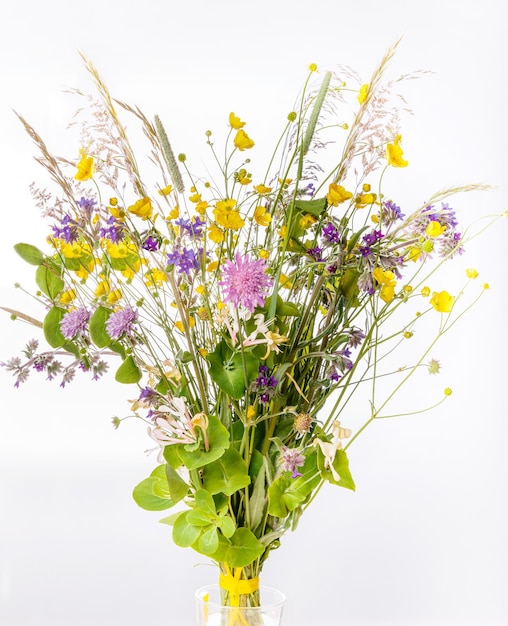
[(245, 282), (75, 322), (292, 459), (121, 323)]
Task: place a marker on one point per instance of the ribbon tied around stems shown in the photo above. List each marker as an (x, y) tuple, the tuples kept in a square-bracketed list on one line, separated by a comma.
[(236, 587)]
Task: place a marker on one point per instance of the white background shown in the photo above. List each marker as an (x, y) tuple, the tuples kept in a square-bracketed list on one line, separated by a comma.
[(424, 539)]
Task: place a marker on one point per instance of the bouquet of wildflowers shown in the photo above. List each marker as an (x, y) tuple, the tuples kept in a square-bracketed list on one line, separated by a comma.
[(247, 310)]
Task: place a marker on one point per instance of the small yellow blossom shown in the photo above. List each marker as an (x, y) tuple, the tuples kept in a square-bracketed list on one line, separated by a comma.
[(165, 191), (386, 278), (394, 153), (201, 207), (307, 220), (447, 391), (155, 278), (408, 334), (486, 286), (75, 250), (434, 229), (113, 201), (174, 213), (235, 122), (142, 208), (471, 273), (434, 366), (337, 194), (313, 67), (212, 266), (262, 190), (84, 167), (264, 254), (117, 212), (114, 296), (180, 326), (425, 292), (67, 296), (365, 199), (195, 197), (102, 289), (363, 93), (242, 141), (262, 216), (442, 301)]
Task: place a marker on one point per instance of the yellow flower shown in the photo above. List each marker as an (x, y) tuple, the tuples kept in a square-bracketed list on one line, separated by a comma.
[(235, 122), (262, 216), (114, 296), (394, 153), (264, 254), (165, 191), (142, 208), (425, 292), (365, 199), (313, 67), (67, 296), (471, 273), (434, 229), (242, 141), (215, 233), (212, 266), (386, 279), (307, 220), (117, 212), (447, 391), (155, 278), (363, 93), (180, 325), (442, 301), (75, 250), (85, 167), (227, 215), (102, 288), (337, 194), (262, 190), (196, 197), (174, 213), (201, 207)]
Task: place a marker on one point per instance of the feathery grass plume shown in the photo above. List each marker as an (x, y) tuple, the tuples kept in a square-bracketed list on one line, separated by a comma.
[(130, 161), (355, 139), (48, 161), (169, 156)]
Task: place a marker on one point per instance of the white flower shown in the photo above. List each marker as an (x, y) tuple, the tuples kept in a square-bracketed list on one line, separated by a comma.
[(329, 448)]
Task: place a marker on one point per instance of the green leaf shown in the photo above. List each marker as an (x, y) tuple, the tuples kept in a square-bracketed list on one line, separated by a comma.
[(49, 280), (205, 502), (185, 534), (209, 541), (97, 327), (241, 549), (286, 493), (257, 500), (349, 286), (198, 517), (51, 327), (178, 488), (128, 372), (227, 474), (341, 466), (314, 207), (227, 526), (218, 441), (29, 253), (152, 493), (232, 371)]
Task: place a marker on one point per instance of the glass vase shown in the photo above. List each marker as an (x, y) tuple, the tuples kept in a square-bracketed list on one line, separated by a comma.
[(211, 610)]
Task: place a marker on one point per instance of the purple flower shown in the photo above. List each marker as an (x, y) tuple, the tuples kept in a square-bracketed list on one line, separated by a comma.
[(121, 323), (292, 459), (265, 384), (151, 244), (75, 323), (113, 232), (87, 205), (245, 282), (330, 233), (316, 253), (390, 213), (67, 231), (185, 260), (193, 228)]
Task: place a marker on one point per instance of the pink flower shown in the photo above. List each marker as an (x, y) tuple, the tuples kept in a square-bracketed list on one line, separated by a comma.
[(245, 282)]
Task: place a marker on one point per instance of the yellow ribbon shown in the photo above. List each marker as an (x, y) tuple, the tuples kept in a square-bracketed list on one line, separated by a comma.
[(237, 587)]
